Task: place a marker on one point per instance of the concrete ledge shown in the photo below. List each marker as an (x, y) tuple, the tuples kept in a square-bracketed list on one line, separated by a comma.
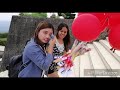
[(2, 48), (1, 54)]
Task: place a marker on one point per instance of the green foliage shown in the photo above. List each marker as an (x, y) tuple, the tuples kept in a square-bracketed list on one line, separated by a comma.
[(39, 15), (3, 38), (53, 16), (3, 35), (3, 41), (67, 15)]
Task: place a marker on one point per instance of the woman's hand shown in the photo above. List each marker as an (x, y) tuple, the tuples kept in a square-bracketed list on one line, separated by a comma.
[(52, 41), (80, 49), (51, 45), (57, 60), (74, 44)]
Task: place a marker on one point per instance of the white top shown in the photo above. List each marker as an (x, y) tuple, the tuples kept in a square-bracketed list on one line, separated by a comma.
[(59, 46)]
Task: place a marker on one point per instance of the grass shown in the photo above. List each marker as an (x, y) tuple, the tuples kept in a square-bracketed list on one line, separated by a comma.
[(3, 41)]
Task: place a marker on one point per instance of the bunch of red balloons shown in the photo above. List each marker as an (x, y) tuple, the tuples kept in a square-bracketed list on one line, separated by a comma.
[(88, 26), (114, 33)]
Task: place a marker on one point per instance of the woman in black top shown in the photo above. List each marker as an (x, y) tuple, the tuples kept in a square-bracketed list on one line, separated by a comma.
[(60, 48)]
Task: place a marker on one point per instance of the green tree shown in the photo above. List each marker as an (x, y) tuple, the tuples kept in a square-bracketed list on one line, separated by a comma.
[(53, 16), (67, 15), (3, 38), (39, 15), (3, 35)]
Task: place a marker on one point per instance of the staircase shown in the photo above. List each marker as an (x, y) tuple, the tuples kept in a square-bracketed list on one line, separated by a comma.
[(99, 62)]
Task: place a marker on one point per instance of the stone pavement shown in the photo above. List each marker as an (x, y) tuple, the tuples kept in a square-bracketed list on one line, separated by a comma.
[(4, 74)]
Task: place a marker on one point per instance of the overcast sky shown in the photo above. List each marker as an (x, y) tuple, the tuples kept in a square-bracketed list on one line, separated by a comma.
[(7, 16)]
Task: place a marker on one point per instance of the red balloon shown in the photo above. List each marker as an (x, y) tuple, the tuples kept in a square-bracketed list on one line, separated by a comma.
[(86, 27), (80, 13), (102, 17), (114, 19), (114, 37)]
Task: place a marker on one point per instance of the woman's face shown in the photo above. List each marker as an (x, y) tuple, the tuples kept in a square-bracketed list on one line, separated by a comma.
[(62, 33), (44, 35)]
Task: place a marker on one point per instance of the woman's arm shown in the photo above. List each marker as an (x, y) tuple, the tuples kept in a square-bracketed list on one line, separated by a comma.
[(36, 55)]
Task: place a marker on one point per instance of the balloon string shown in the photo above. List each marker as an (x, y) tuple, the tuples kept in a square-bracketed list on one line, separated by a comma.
[(109, 20), (105, 20)]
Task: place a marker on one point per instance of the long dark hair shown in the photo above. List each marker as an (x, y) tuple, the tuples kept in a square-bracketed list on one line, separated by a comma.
[(66, 40), (42, 25)]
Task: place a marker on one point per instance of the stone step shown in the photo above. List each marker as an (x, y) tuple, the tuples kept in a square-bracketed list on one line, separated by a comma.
[(4, 74), (107, 47), (113, 63), (85, 64), (2, 48)]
